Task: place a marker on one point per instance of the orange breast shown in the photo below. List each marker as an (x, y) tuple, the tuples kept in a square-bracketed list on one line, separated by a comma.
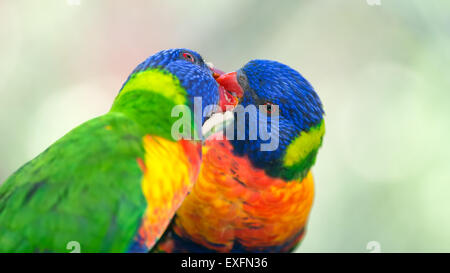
[(170, 169), (233, 204)]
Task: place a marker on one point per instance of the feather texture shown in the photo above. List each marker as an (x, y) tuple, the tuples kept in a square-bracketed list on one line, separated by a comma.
[(113, 183), (235, 207)]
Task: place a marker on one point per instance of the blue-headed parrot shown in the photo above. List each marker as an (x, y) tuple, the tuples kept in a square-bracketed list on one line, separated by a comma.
[(113, 183), (251, 197)]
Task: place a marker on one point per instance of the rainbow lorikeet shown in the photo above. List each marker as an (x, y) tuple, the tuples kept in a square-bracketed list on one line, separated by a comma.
[(250, 199), (113, 183)]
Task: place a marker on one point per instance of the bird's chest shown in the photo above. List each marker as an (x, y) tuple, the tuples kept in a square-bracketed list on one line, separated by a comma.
[(235, 207), (170, 169)]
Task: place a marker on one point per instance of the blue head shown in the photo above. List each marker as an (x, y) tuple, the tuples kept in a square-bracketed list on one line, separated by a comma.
[(189, 68), (165, 85), (300, 117)]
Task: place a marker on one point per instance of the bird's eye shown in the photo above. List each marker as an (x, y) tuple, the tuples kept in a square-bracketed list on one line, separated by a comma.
[(242, 79), (188, 57), (268, 108)]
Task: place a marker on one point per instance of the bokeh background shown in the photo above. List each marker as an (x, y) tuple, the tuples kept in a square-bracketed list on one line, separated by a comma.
[(382, 72)]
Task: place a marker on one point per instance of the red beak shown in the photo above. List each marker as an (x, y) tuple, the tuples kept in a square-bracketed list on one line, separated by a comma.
[(231, 84), (230, 91), (216, 72)]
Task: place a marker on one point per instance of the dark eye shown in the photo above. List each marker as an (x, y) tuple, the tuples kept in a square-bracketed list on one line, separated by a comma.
[(268, 108), (188, 57), (242, 79)]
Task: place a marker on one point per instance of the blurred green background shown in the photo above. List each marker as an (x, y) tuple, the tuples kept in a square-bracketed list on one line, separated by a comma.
[(381, 70)]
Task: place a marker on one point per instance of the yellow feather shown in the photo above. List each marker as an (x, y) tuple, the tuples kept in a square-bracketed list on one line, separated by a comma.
[(159, 81), (166, 182), (299, 149)]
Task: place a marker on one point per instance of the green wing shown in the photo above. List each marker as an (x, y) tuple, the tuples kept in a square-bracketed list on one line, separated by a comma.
[(86, 187)]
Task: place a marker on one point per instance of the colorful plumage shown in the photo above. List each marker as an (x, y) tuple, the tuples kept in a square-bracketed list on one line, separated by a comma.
[(113, 183), (247, 199)]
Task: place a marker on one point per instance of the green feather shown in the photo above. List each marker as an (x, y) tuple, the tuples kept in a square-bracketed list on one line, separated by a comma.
[(86, 187), (77, 190)]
